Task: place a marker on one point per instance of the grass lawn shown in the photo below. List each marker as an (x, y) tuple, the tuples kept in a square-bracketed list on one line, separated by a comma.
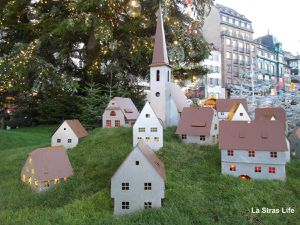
[(196, 192)]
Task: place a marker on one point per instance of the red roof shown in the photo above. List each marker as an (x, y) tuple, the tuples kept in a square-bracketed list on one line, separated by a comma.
[(77, 128), (127, 107), (195, 121), (224, 105), (256, 135), (267, 113), (51, 163)]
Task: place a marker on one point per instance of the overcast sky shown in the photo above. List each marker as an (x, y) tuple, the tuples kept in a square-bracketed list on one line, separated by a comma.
[(281, 17)]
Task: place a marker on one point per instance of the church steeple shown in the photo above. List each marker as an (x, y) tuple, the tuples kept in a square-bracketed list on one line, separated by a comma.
[(160, 55)]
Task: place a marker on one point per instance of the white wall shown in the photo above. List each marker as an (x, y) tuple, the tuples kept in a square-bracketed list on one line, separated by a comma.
[(136, 175), (222, 115), (237, 115), (64, 132)]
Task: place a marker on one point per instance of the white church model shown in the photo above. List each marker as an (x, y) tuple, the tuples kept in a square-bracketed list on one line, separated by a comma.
[(166, 98)]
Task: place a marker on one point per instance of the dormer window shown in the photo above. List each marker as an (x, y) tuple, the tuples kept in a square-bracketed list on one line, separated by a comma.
[(157, 75)]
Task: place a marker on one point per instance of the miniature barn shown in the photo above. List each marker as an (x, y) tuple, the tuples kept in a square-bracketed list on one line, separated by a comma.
[(68, 134), (139, 183), (120, 112), (166, 98), (46, 167), (256, 149), (198, 126), (223, 106), (238, 113), (294, 139), (148, 128)]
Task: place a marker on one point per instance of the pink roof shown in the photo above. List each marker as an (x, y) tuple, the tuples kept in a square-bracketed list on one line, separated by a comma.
[(195, 121), (51, 163), (128, 108), (224, 105), (77, 127), (160, 55), (267, 113), (256, 135)]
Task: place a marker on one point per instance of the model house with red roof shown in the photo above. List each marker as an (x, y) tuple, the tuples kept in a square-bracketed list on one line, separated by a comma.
[(68, 134), (139, 183), (120, 112), (198, 126), (238, 113), (148, 128), (224, 106), (256, 149), (294, 138), (45, 168)]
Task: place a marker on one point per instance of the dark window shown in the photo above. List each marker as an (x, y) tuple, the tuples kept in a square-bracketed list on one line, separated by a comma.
[(202, 138), (69, 140), (147, 115), (230, 152), (216, 126), (272, 170), (157, 75), (183, 136), (125, 186), (147, 186), (157, 94), (58, 141), (257, 169), (241, 114), (147, 205), (65, 128), (168, 76), (273, 154), (125, 205), (112, 113), (251, 153), (137, 163), (117, 123)]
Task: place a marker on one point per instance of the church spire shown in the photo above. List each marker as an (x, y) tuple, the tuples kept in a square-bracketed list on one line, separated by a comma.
[(160, 55)]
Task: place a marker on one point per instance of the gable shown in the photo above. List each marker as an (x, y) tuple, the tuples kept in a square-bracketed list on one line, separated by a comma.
[(144, 121), (60, 130)]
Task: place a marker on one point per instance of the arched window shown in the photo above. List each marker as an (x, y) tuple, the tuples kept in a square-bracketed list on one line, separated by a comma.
[(157, 75), (112, 113)]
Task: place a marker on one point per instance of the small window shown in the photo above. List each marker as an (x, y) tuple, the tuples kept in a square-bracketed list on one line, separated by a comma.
[(257, 169), (273, 154), (202, 138), (230, 152), (32, 171), (65, 128), (147, 186), (29, 180), (222, 113), (108, 123), (293, 152), (157, 94), (125, 186), (216, 126), (142, 129), (272, 169), (69, 140), (125, 205), (30, 160), (168, 75), (251, 153), (112, 113), (241, 114), (137, 163), (117, 123), (46, 184), (36, 183), (56, 181), (157, 75), (183, 136), (232, 167), (147, 139), (153, 129), (58, 140), (24, 178), (147, 205), (147, 115), (156, 139), (139, 138)]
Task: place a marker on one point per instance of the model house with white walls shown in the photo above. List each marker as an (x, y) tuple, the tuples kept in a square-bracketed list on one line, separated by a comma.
[(46, 168), (198, 126), (139, 183), (223, 106), (256, 149), (68, 134), (238, 113), (120, 112), (148, 128), (166, 98)]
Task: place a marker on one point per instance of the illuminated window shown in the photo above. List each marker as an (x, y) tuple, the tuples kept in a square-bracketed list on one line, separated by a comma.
[(117, 123), (293, 152), (230, 152), (142, 129), (147, 186), (153, 129), (69, 140), (30, 160), (58, 140), (29, 180), (232, 167), (147, 139), (125, 186), (36, 183), (125, 205), (272, 169), (257, 169), (183, 136), (202, 138), (33, 171), (251, 153), (147, 205), (27, 169), (108, 123), (156, 139), (273, 154), (46, 183), (24, 178), (56, 181), (65, 178), (112, 113)]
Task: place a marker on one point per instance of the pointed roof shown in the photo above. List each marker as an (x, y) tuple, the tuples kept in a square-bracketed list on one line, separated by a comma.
[(148, 109), (127, 107), (76, 127), (160, 55)]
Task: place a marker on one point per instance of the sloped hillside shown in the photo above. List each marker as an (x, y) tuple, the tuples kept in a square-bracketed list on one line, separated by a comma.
[(196, 192)]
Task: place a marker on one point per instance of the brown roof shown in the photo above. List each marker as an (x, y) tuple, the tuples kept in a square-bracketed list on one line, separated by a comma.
[(152, 158), (51, 163), (256, 135), (160, 55), (195, 121), (77, 127), (128, 108), (224, 105), (267, 113), (178, 97)]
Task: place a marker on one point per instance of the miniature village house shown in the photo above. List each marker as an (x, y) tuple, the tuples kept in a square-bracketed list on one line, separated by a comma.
[(139, 183), (238, 113), (148, 128), (223, 106), (256, 149), (68, 134), (120, 112), (46, 168), (198, 126), (166, 98), (294, 139)]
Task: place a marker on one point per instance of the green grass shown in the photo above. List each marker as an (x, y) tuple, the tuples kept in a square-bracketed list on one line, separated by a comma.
[(196, 192)]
